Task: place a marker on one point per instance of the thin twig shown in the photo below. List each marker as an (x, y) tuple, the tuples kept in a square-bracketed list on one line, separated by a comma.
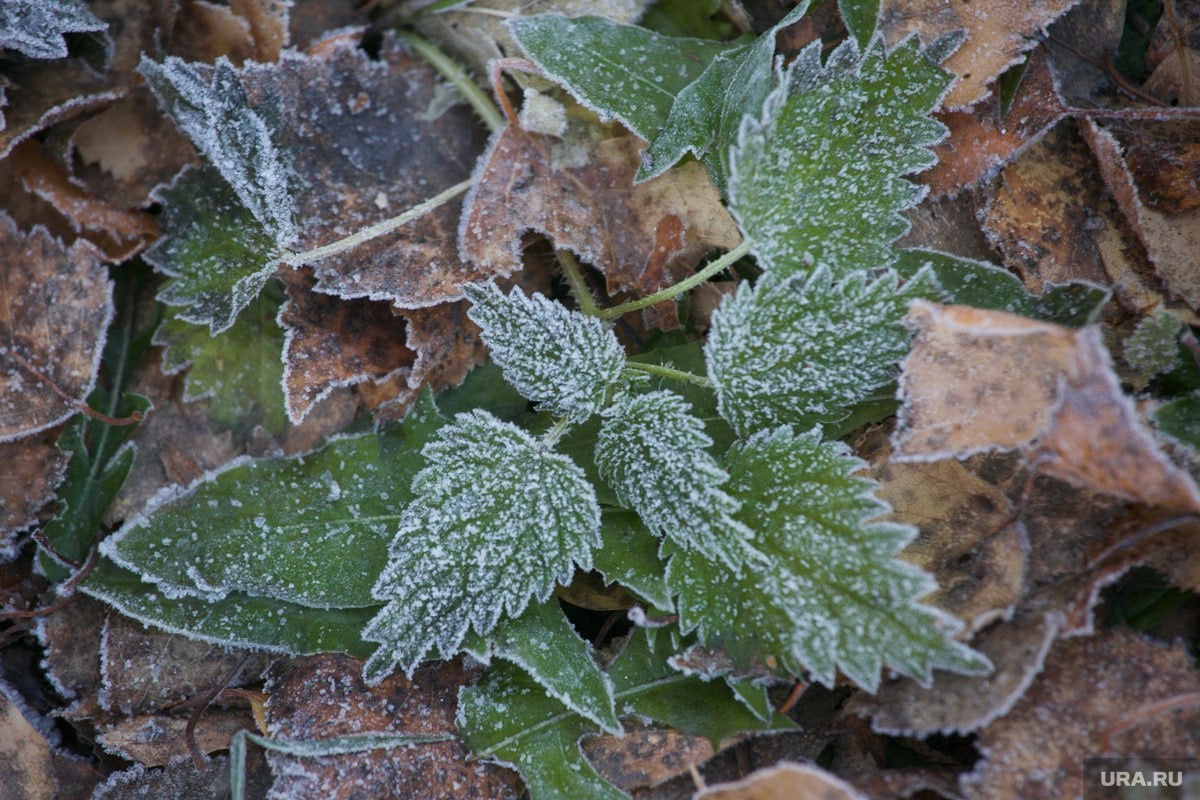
[(78, 405), (497, 66), (719, 265), (189, 733)]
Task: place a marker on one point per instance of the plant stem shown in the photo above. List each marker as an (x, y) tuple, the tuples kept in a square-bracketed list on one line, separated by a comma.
[(579, 287), (376, 230), (679, 288), (668, 372), (452, 71)]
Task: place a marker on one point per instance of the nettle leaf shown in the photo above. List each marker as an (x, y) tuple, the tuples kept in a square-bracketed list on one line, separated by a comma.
[(562, 359), (498, 520), (652, 451), (817, 178), (824, 592), (236, 620), (861, 17), (631, 74), (803, 352), (542, 642), (35, 27), (310, 530), (629, 556), (509, 719), (210, 105), (218, 256)]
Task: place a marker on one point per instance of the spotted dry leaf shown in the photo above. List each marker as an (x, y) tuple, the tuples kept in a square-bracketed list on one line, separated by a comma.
[(988, 380), (153, 740), (57, 303)]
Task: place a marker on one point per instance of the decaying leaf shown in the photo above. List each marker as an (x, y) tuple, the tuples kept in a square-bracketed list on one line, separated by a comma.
[(784, 781), (180, 779), (342, 704), (57, 303), (154, 740), (71, 638), (987, 380), (29, 471), (26, 750), (997, 35), (645, 755)]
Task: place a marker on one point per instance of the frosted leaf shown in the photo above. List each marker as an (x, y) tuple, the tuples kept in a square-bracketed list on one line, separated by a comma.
[(36, 27), (241, 368), (210, 106), (629, 556), (311, 530), (652, 451), (1153, 347), (804, 352), (822, 590), (562, 359), (817, 178), (498, 520), (861, 17)]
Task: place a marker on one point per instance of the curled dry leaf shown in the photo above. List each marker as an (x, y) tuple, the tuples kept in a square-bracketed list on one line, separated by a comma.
[(153, 740), (987, 380), (784, 781), (57, 303), (579, 191), (1094, 698), (997, 35)]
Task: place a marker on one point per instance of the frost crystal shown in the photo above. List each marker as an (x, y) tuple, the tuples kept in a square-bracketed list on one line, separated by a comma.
[(215, 114), (802, 353), (498, 520), (822, 591), (818, 179), (651, 450), (562, 359), (36, 27)]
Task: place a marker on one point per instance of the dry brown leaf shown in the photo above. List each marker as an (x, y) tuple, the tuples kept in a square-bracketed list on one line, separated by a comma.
[(1172, 240), (310, 20), (1075, 708), (646, 755), (71, 639), (980, 142), (180, 780), (57, 303), (783, 781), (153, 740), (204, 31), (317, 697), (29, 471), (579, 192), (1174, 56), (28, 759), (988, 380), (1081, 45), (997, 35), (268, 21)]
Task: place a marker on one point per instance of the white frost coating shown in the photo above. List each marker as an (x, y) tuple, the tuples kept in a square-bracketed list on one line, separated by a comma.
[(561, 359), (816, 178), (36, 27), (652, 451), (498, 520), (822, 591), (786, 353), (216, 116)]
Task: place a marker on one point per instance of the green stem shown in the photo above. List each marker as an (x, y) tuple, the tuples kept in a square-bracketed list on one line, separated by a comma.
[(450, 69), (668, 372), (551, 437), (684, 285), (579, 287), (376, 230)]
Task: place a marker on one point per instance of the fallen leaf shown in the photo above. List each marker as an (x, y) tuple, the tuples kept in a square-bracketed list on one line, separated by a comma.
[(207, 31), (783, 781), (1174, 57), (28, 773), (317, 697), (1091, 700), (988, 380), (154, 740), (579, 192), (997, 35), (1082, 46), (71, 639), (57, 303), (29, 471), (645, 755), (180, 779)]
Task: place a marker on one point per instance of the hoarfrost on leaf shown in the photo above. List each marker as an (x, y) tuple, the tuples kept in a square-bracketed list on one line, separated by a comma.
[(498, 519), (803, 352), (822, 590), (817, 179), (652, 451), (562, 359), (36, 27)]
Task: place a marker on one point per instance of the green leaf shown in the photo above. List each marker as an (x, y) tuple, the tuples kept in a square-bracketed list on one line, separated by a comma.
[(508, 718), (803, 352), (542, 642), (564, 360), (707, 113), (825, 592), (210, 105), (630, 74), (981, 285), (628, 555), (1180, 418), (652, 451), (695, 18), (236, 620), (36, 28), (217, 255), (498, 519), (817, 179), (310, 530), (860, 17), (241, 368), (1153, 347), (485, 388)]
